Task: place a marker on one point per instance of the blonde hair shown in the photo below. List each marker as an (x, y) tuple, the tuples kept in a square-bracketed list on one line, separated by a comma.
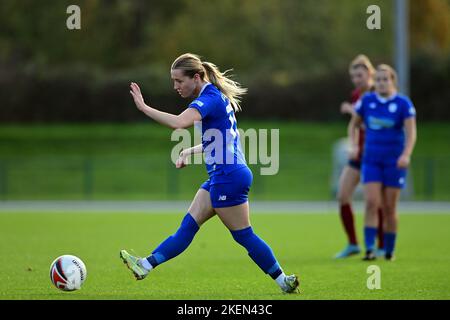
[(391, 71), (192, 64), (364, 62)]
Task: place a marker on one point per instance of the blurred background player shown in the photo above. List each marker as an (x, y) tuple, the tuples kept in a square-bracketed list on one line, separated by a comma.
[(225, 193), (389, 119), (361, 73)]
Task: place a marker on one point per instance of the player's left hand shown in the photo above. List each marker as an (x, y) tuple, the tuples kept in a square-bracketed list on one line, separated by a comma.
[(353, 153), (137, 96), (403, 161), (347, 108)]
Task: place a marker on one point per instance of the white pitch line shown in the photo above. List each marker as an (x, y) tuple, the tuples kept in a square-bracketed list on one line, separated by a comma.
[(259, 207)]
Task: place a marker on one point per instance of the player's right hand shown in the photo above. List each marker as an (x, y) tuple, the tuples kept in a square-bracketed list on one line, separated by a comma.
[(346, 108), (181, 161), (137, 96)]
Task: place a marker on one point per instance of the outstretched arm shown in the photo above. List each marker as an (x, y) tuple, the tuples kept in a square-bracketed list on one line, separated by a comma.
[(184, 120), (196, 149)]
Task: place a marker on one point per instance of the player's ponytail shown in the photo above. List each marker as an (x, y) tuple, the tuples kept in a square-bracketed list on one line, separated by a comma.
[(192, 64), (364, 62), (231, 89)]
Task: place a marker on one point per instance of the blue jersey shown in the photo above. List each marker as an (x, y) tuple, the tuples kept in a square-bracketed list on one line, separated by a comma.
[(220, 137), (384, 122)]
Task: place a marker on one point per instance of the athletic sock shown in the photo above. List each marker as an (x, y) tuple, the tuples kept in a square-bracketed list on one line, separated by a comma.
[(176, 243), (348, 222), (370, 234), (280, 281), (259, 251), (145, 264), (389, 240)]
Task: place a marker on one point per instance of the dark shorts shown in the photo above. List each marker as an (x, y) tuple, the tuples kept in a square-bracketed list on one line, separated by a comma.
[(228, 190), (355, 164)]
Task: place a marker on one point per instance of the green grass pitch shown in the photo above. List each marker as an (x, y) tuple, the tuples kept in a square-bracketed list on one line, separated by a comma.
[(214, 266)]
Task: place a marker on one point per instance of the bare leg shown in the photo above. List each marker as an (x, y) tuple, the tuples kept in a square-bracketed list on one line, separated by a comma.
[(391, 197), (373, 197), (201, 208), (348, 182), (235, 218)]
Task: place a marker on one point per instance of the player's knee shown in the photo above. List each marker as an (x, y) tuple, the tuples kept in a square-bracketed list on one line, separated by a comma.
[(243, 236), (200, 215), (188, 225), (372, 204), (389, 211), (343, 197)]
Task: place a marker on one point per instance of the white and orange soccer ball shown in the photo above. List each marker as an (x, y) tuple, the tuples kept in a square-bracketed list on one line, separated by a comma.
[(68, 273)]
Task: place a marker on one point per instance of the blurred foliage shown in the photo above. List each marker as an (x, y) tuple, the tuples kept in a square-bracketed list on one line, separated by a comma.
[(286, 52), (430, 27)]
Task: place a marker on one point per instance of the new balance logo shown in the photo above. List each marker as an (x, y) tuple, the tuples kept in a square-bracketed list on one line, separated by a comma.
[(222, 198)]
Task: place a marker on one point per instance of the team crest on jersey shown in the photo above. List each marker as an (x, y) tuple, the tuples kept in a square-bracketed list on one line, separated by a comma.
[(392, 107), (372, 105)]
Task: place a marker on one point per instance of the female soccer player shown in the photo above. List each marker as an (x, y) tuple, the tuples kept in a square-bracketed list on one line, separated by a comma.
[(389, 119), (361, 73), (225, 193)]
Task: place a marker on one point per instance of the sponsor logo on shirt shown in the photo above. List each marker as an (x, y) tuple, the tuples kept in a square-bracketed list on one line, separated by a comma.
[(380, 123), (198, 102)]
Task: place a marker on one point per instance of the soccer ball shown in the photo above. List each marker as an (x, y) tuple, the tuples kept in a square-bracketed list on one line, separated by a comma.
[(68, 273)]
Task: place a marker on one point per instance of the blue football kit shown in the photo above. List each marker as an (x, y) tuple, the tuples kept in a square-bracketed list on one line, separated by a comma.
[(385, 137), (229, 177)]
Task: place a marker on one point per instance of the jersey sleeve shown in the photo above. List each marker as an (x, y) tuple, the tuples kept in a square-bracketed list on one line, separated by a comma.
[(408, 109), (203, 105), (359, 107)]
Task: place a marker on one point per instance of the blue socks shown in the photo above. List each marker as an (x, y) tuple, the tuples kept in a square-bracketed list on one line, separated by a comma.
[(370, 234), (258, 250), (389, 242), (176, 243)]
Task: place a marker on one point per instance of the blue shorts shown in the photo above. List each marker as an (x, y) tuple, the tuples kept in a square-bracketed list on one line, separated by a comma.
[(228, 190), (385, 172)]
